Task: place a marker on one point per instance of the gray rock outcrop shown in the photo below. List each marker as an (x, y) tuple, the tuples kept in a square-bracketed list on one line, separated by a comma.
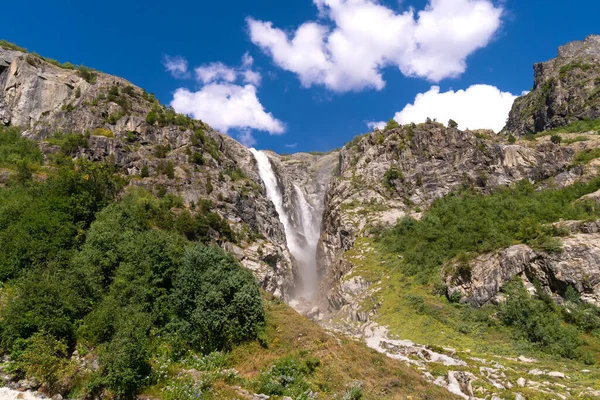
[(577, 266), (566, 89)]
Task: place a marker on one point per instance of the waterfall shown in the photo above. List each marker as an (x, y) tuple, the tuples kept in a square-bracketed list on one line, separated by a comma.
[(301, 240)]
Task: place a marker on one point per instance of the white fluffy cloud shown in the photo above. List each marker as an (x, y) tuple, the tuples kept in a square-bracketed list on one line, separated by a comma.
[(356, 39), (177, 66), (215, 72), (477, 107), (375, 124), (218, 71), (225, 104)]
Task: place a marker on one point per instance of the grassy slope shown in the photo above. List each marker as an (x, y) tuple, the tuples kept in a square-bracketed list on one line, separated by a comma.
[(343, 362), (412, 311)]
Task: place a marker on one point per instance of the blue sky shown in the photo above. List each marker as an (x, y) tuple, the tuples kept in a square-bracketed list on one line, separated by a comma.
[(357, 61)]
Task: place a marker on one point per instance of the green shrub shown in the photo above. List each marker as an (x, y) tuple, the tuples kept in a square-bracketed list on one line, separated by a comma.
[(43, 222), (587, 155), (44, 358), (354, 392), (391, 124), (452, 124), (151, 118), (87, 74), (69, 142), (511, 139), (287, 377), (198, 158), (216, 302), (556, 139), (129, 90), (235, 174), (15, 148), (145, 172), (390, 177), (124, 360), (43, 301), (161, 150), (536, 320)]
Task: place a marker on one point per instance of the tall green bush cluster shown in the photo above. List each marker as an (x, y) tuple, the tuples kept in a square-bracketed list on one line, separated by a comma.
[(84, 266)]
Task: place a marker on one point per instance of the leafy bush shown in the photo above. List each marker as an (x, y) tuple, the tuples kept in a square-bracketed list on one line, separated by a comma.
[(536, 320), (216, 302), (124, 360), (511, 139), (452, 124), (161, 150), (69, 142), (144, 173), (43, 222), (587, 155), (287, 377), (44, 358), (391, 124), (556, 139), (198, 158), (390, 177), (14, 148), (87, 74), (43, 301), (235, 174)]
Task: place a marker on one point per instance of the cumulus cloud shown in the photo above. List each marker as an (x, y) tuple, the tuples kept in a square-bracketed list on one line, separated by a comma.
[(177, 66), (355, 39), (246, 138), (376, 124), (477, 107), (218, 71), (225, 106), (226, 103), (215, 72)]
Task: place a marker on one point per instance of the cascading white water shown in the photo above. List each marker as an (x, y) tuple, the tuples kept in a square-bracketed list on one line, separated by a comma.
[(301, 241), (311, 232)]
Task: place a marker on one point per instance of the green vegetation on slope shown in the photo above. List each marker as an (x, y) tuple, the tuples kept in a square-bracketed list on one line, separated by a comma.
[(84, 269), (584, 125), (469, 223), (128, 281), (463, 225)]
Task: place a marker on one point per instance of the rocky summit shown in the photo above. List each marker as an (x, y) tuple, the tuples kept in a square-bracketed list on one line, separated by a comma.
[(565, 90), (146, 254)]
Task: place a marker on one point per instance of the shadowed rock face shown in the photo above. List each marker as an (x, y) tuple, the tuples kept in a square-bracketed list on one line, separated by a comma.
[(566, 89)]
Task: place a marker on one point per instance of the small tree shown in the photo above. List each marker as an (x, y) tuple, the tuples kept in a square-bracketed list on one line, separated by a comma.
[(452, 124), (391, 124), (555, 139)]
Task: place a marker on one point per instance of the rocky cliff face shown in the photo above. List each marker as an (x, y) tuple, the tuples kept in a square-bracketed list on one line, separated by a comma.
[(566, 89), (577, 265), (113, 114), (384, 176)]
